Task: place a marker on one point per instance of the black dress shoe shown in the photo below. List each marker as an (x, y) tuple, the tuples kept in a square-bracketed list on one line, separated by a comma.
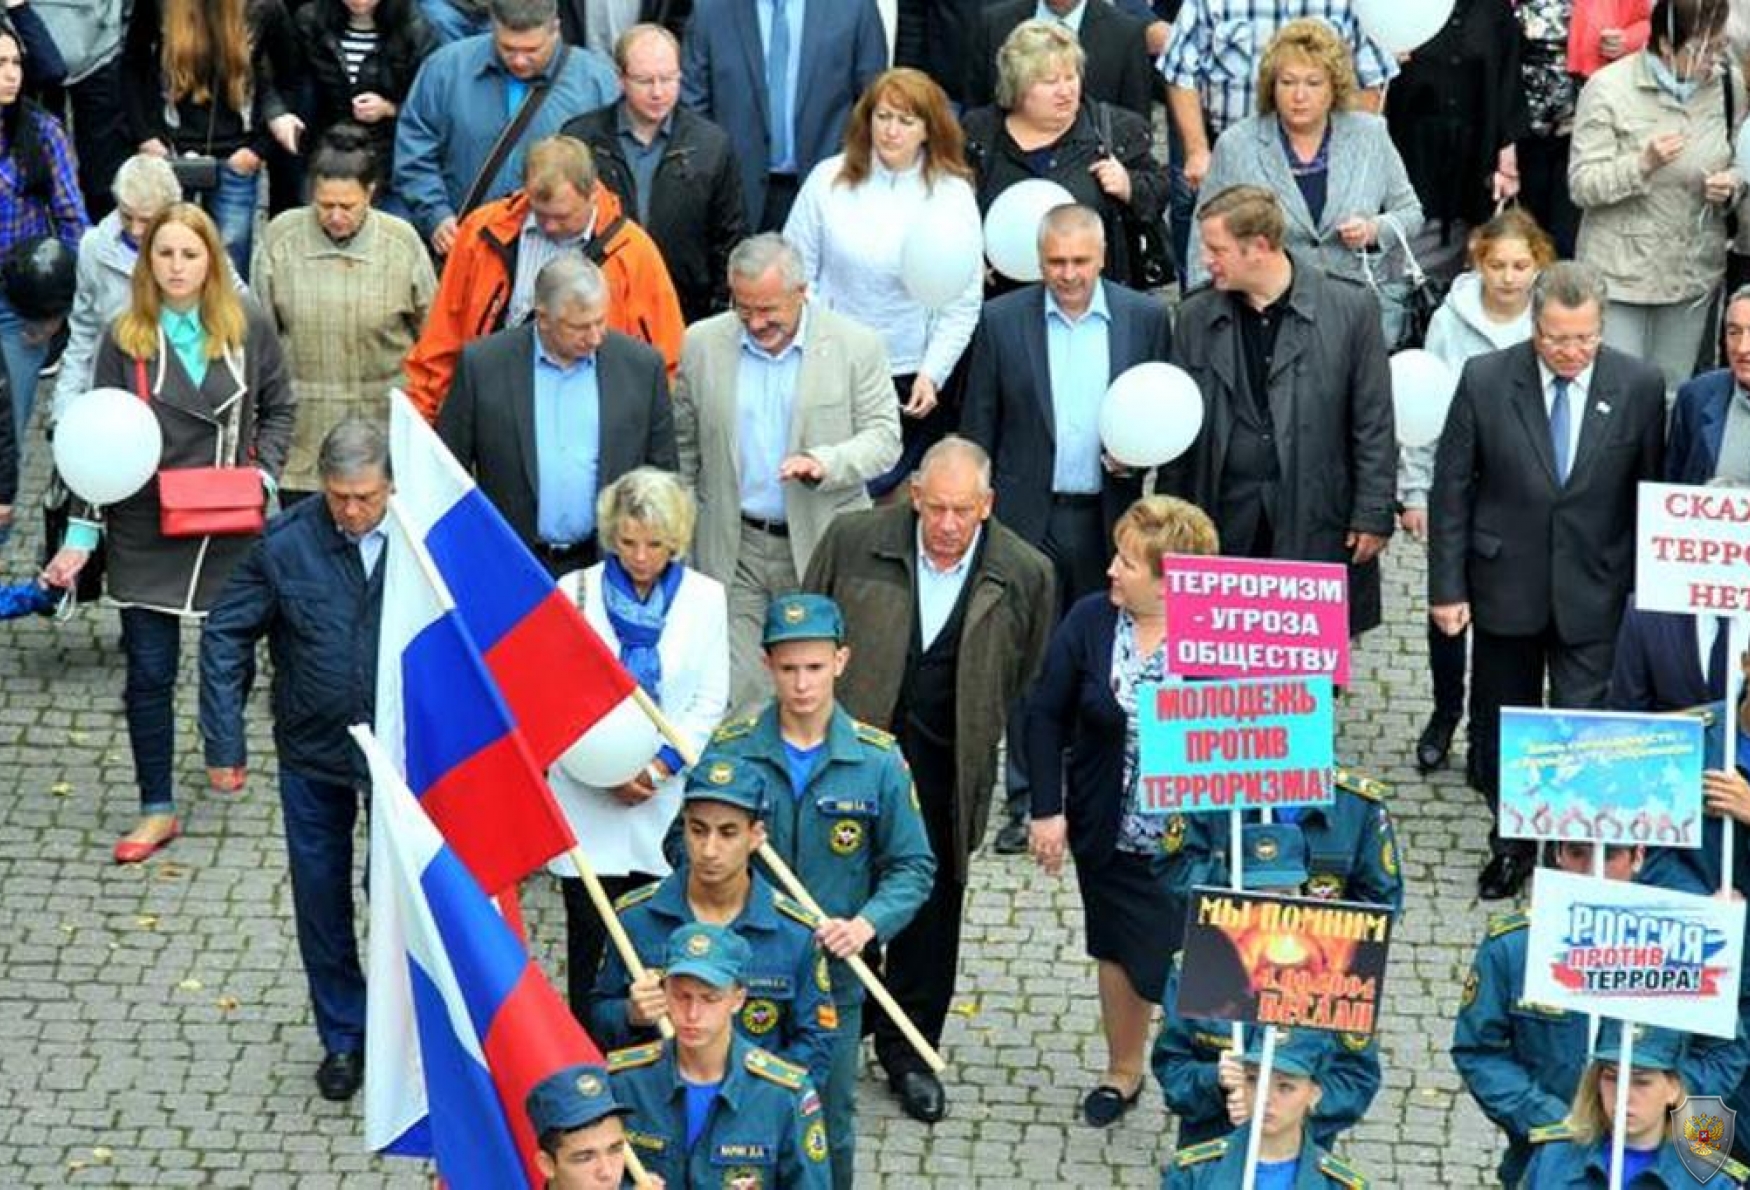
[(1502, 876), (340, 1075), (1435, 742), (1012, 838), (920, 1095)]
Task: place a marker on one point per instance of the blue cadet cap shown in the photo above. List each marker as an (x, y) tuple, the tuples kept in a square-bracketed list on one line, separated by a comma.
[(1274, 855), (1654, 1048), (731, 782), (708, 953), (574, 1097), (1301, 1052), (801, 616)]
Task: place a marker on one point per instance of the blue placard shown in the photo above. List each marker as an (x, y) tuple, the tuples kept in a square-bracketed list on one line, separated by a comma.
[(1236, 745)]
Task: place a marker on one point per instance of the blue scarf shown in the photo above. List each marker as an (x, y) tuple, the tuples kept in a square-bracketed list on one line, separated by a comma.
[(638, 622)]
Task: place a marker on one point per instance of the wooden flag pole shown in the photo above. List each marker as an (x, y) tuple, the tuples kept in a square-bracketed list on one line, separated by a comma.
[(598, 896), (794, 887), (634, 1167)]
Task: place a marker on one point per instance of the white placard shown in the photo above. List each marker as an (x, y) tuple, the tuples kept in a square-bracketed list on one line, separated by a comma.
[(1692, 549)]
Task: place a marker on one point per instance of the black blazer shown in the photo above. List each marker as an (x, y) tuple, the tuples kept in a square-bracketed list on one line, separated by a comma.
[(1008, 397), (1073, 707), (1115, 43), (488, 420), (1503, 536)]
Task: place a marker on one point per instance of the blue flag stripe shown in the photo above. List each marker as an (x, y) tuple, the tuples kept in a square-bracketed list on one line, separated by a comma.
[(475, 1149), (451, 707), (483, 952), (491, 599)]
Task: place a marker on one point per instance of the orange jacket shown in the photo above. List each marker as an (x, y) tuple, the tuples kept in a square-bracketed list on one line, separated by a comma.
[(475, 291)]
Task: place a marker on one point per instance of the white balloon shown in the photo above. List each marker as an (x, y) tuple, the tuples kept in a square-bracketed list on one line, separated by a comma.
[(938, 259), (107, 445), (614, 750), (1011, 226), (1400, 26), (1741, 151), (1151, 415), (1421, 392)]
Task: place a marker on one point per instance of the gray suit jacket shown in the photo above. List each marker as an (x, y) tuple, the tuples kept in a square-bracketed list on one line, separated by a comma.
[(1366, 177), (488, 420), (845, 415)]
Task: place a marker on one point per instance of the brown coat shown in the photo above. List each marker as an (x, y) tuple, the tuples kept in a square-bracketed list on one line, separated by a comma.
[(868, 562)]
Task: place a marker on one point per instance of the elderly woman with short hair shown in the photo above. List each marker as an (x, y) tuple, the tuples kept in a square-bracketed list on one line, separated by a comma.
[(1041, 127), (669, 625)]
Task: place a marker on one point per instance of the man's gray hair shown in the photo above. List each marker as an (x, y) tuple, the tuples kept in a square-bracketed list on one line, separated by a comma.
[(1740, 294), (1069, 218), (145, 183), (521, 15), (353, 447), (1568, 284), (569, 280), (758, 255), (954, 448)]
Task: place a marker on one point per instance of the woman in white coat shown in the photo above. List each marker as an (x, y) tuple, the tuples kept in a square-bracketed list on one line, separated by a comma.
[(669, 626)]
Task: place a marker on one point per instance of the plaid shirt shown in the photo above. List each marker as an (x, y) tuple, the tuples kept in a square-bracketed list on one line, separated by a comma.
[(64, 215), (1217, 45)]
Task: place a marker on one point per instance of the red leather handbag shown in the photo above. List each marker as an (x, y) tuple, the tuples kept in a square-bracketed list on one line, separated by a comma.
[(206, 501)]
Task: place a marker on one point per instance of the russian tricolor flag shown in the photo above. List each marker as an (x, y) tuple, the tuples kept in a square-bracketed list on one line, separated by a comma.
[(484, 1024)]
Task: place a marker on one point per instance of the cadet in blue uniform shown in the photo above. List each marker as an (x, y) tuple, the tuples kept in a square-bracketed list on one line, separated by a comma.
[(840, 811), (1351, 849), (708, 1109), (581, 1137), (1522, 1061), (1288, 1156), (1575, 1153), (1201, 1078), (789, 1009)]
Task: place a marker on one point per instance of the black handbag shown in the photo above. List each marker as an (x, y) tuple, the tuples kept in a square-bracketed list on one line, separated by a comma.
[(196, 173), (1414, 297), (57, 504)]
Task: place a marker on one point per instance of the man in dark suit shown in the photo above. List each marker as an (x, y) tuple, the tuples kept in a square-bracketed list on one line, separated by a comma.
[(548, 413), (1532, 520), (973, 602), (1117, 69), (1041, 362), (781, 88), (1710, 425)]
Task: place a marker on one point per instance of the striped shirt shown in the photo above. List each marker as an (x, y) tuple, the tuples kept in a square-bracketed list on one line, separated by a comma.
[(356, 45)]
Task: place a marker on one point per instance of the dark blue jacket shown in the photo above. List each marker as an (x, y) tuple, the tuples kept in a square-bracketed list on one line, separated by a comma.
[(304, 588), (1698, 424)]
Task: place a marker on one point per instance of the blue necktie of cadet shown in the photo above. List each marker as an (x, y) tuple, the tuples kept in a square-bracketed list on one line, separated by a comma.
[(778, 85), (1558, 428)]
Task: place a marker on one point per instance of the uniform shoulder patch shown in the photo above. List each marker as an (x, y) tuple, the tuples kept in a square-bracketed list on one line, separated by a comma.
[(734, 729), (1362, 786), (774, 1069), (634, 1056), (1735, 1170), (794, 910), (637, 896), (1342, 1173), (875, 736), (1546, 1133), (1506, 923), (1209, 1150)]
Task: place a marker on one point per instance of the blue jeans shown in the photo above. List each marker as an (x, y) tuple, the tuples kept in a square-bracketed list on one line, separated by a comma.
[(232, 206), (319, 821), (1181, 201), (152, 646), (24, 352), (449, 22)]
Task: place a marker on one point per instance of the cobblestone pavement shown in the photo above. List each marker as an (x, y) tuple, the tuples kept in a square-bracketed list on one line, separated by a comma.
[(153, 1019)]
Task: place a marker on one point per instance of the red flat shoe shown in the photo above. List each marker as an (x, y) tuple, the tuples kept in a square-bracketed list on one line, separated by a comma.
[(131, 850)]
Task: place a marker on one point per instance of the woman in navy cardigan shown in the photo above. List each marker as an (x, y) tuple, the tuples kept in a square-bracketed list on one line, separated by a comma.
[(1107, 645)]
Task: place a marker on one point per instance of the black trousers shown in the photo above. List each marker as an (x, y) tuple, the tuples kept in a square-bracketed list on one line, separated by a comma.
[(781, 192), (1543, 189), (585, 935), (922, 960), (1510, 671), (1446, 661), (93, 107)]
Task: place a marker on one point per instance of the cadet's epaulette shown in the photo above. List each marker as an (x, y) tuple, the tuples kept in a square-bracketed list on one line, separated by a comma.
[(874, 735), (1209, 1150), (634, 1056), (1738, 1172), (734, 729), (1544, 1134), (636, 897), (774, 1069), (1343, 1175), (1367, 787), (1506, 923), (794, 909)]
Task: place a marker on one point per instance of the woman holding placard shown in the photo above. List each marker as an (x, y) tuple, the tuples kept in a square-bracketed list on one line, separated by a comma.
[(889, 234), (1108, 645)]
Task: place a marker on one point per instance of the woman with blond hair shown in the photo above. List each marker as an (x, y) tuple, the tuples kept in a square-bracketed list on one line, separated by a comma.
[(208, 366), (904, 164)]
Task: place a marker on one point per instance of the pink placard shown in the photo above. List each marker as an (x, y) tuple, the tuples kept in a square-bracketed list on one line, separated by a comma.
[(1254, 617)]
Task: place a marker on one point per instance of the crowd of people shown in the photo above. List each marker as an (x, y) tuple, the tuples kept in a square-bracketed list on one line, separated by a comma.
[(641, 263)]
